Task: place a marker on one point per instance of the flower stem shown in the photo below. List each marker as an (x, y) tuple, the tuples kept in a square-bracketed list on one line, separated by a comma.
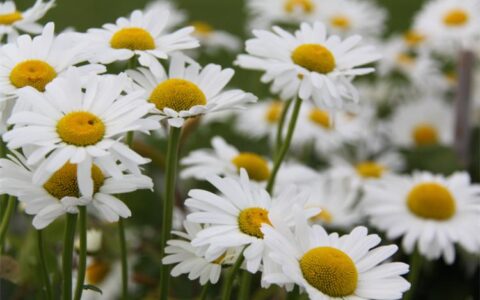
[(67, 257), (416, 265), (6, 221), (168, 200), (245, 283), (285, 146), (43, 265), (281, 123), (123, 253), (82, 261), (205, 289), (228, 284)]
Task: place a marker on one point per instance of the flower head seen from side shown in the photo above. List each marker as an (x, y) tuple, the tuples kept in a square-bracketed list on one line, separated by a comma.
[(309, 64), (213, 39), (431, 211), (142, 34), (260, 119), (188, 90)]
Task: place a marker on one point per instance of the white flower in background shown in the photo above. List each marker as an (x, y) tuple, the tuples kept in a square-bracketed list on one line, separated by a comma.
[(431, 211), (12, 21), (310, 64), (176, 16), (224, 160), (384, 92), (188, 90), (142, 34), (94, 241), (61, 193), (424, 122), (191, 260), (213, 39), (335, 267), (260, 120), (235, 216), (80, 123)]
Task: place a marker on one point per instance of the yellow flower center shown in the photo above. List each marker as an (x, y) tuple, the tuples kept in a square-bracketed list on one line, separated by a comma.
[(177, 94), (81, 128), (274, 112), (425, 135), (64, 183), (34, 73), (250, 221), (314, 57), (340, 21), (324, 216), (219, 260), (320, 117), (413, 38), (133, 38), (255, 165), (370, 169), (431, 201), (202, 28), (306, 6), (455, 18), (9, 19), (97, 271), (330, 270), (405, 59)]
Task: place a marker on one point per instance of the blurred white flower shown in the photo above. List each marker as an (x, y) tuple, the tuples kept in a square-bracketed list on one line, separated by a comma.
[(213, 39)]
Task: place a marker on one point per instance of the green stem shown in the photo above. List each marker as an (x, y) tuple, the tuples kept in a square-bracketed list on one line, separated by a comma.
[(228, 284), (82, 260), (416, 265), (168, 200), (6, 221), (67, 257), (123, 253), (204, 293), (285, 146), (281, 123), (43, 265), (245, 283)]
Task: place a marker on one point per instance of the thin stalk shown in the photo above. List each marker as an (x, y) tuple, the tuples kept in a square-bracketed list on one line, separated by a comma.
[(43, 265), (281, 123), (285, 146), (124, 261), (228, 284), (168, 200), (204, 292), (245, 284), (82, 260), (67, 257), (416, 265), (6, 221)]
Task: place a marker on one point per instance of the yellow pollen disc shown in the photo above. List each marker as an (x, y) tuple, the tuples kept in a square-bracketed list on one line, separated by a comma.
[(250, 221), (81, 128), (413, 38), (451, 77), (9, 19), (202, 28), (405, 59), (133, 38), (455, 18), (177, 94), (306, 6), (64, 183), (431, 201), (320, 117), (340, 21), (315, 58), (370, 169), (220, 259), (34, 73), (425, 135), (274, 112), (324, 216), (97, 271), (255, 165), (330, 270)]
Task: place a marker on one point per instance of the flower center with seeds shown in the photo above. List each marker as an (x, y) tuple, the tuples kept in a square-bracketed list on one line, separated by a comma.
[(273, 113), (330, 270), (250, 221), (133, 38), (413, 38), (81, 128), (314, 57), (255, 165), (177, 94), (425, 135), (320, 117), (9, 19), (34, 73), (341, 22), (202, 28), (431, 200), (370, 169), (306, 6), (64, 183), (97, 271), (324, 216), (455, 18)]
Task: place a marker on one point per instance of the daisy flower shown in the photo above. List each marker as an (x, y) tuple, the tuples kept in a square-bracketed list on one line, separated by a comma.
[(12, 20), (143, 34), (224, 160), (94, 241), (309, 64), (260, 120), (61, 193), (80, 123), (188, 90), (431, 211), (176, 16), (333, 267), (213, 39)]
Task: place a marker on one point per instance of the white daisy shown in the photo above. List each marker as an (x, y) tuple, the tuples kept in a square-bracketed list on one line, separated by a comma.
[(260, 120), (12, 20), (188, 90), (142, 34), (432, 211), (176, 16), (94, 241), (335, 267), (309, 64), (213, 39)]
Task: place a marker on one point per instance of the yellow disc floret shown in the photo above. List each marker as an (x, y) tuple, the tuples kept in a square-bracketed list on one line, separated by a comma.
[(340, 21), (81, 128), (455, 18), (273, 113), (315, 58), (413, 38), (306, 6), (256, 166), (324, 216), (34, 73), (9, 19), (330, 270), (320, 117), (177, 94), (97, 271), (202, 28), (250, 221), (431, 200), (133, 38), (64, 183), (370, 169), (425, 135)]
